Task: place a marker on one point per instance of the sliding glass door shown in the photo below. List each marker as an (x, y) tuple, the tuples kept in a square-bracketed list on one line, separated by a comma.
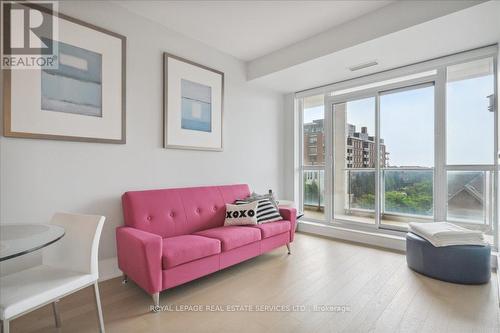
[(400, 188), (407, 155), (355, 156), (313, 158)]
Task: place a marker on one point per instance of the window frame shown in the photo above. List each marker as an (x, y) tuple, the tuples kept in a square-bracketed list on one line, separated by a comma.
[(435, 74), (303, 167)]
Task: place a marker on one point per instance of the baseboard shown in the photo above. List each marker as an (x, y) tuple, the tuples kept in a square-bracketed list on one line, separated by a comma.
[(108, 269), (392, 242)]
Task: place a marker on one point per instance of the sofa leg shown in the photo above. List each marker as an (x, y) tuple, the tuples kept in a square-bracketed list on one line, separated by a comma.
[(288, 247), (156, 299), (124, 279), (5, 326), (57, 315)]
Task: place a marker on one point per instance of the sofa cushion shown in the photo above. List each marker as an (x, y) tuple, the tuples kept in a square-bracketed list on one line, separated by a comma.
[(273, 228), (232, 236), (182, 249)]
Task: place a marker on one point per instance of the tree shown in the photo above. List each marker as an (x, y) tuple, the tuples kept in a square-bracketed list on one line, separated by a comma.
[(407, 192)]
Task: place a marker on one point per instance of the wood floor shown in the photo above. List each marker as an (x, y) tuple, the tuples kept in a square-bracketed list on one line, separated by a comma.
[(366, 289)]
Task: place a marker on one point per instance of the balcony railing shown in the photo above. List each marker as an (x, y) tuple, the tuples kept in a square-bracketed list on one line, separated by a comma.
[(405, 193), (314, 188)]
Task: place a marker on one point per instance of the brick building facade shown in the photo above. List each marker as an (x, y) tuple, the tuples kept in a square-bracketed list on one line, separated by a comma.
[(360, 146)]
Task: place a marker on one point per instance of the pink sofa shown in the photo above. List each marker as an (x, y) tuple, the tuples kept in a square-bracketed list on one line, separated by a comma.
[(173, 236)]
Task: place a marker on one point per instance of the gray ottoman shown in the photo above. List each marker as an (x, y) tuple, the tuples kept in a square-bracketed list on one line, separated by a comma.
[(466, 264)]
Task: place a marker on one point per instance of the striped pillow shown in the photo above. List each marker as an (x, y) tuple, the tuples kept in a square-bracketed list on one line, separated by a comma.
[(266, 211)]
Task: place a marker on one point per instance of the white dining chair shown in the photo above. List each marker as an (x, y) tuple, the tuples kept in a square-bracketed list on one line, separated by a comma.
[(68, 265)]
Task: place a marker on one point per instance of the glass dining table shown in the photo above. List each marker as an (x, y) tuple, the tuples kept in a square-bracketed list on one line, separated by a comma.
[(19, 239)]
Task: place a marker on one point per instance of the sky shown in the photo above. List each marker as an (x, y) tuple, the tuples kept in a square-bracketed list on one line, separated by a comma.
[(407, 123)]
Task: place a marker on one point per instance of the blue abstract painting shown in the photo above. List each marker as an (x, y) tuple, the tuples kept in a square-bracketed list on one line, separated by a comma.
[(196, 112), (76, 85)]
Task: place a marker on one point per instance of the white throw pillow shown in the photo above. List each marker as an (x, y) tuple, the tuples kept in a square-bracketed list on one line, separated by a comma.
[(241, 214)]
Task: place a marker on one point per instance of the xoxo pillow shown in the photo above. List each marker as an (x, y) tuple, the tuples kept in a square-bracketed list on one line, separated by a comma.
[(241, 214)]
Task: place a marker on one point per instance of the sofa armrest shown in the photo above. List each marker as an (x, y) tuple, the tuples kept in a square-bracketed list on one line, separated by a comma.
[(290, 214), (139, 256)]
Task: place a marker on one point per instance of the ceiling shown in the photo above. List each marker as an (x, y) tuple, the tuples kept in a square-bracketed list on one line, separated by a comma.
[(248, 30), (464, 30)]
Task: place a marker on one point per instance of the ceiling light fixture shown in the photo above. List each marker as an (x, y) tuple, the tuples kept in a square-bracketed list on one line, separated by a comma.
[(365, 65)]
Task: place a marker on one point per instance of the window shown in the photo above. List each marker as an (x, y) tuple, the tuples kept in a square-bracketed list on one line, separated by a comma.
[(313, 118), (470, 137), (469, 118), (409, 148), (468, 196), (314, 195), (313, 163)]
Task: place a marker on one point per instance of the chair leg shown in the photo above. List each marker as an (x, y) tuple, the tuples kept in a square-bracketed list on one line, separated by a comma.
[(288, 247), (99, 308), (124, 279), (57, 315), (156, 299), (5, 326)]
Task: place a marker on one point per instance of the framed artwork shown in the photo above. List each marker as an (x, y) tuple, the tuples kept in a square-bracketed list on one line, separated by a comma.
[(193, 97), (81, 99)]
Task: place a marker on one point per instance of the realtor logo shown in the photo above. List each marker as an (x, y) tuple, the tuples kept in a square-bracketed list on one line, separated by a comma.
[(28, 34)]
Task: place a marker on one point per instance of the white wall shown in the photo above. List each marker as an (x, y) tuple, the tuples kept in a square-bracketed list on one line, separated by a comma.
[(40, 177)]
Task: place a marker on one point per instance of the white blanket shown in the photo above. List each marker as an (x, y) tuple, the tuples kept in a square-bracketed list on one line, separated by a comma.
[(446, 234)]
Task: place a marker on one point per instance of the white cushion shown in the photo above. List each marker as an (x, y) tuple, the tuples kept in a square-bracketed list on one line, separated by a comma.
[(28, 289), (241, 214)]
